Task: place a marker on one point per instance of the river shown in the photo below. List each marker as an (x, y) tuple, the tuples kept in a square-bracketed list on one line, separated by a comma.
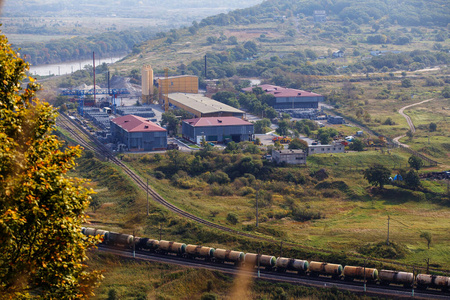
[(64, 68)]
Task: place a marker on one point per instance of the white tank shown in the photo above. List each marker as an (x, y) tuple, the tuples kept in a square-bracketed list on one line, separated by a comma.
[(388, 276), (264, 260), (292, 264), (229, 255), (201, 251), (426, 280)]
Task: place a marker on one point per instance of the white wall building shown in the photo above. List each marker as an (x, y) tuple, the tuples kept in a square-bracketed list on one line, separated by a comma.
[(318, 149), (293, 157)]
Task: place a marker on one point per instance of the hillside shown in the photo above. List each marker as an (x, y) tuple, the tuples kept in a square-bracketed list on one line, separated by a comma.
[(280, 28)]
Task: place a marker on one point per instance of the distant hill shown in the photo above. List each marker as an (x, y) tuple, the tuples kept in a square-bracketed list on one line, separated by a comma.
[(279, 36), (406, 13)]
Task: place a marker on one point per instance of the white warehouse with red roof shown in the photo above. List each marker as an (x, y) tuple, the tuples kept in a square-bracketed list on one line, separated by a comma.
[(217, 129), (289, 98), (138, 134)]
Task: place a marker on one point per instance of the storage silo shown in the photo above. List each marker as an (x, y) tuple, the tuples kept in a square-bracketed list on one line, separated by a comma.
[(147, 83)]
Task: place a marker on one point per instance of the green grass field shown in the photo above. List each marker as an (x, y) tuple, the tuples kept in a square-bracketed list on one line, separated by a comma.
[(354, 215)]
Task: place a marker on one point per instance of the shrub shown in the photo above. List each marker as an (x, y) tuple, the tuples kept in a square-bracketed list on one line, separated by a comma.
[(232, 218), (303, 214), (159, 175), (246, 190), (388, 122), (381, 250), (222, 190), (219, 177), (209, 296)]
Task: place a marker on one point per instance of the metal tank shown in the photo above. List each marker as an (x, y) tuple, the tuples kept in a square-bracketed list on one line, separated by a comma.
[(264, 260), (146, 244), (324, 268), (89, 231), (229, 255), (284, 263), (200, 251), (387, 277), (151, 244), (147, 83), (172, 247), (425, 280), (351, 272), (115, 238)]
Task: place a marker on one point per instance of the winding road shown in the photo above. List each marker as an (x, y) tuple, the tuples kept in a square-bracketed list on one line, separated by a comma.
[(408, 120)]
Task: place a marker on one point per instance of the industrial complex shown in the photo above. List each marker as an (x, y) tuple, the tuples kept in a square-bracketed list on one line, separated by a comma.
[(134, 127)]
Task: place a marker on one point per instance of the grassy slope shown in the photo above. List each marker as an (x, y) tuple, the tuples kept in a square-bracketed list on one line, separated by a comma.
[(148, 280), (353, 216)]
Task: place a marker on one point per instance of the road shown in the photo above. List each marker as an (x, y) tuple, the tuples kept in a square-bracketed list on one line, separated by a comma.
[(408, 120)]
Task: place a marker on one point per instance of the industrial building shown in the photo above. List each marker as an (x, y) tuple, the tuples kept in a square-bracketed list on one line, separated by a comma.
[(178, 84), (318, 149), (217, 129), (201, 106), (292, 157), (289, 98), (336, 120), (138, 134)]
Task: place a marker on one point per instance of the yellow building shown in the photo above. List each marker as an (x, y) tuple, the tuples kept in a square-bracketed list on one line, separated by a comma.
[(178, 84)]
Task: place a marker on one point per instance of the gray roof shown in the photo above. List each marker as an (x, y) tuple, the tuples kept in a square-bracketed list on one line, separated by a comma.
[(201, 103)]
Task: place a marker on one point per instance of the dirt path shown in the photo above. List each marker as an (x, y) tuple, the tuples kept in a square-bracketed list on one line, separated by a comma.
[(408, 120)]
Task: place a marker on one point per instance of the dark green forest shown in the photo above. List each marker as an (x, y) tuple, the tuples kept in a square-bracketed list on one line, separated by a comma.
[(406, 13), (82, 47)]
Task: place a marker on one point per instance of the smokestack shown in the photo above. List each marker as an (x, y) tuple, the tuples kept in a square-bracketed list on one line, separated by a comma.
[(93, 62), (205, 67), (109, 93)]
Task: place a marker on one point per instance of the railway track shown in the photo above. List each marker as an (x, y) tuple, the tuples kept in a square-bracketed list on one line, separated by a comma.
[(372, 289), (93, 144), (98, 147)]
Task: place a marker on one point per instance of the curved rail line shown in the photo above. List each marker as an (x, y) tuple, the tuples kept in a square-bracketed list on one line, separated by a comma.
[(105, 152)]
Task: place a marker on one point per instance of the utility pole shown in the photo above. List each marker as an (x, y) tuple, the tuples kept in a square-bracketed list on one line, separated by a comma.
[(147, 199), (93, 62), (134, 247), (258, 259), (448, 186), (281, 249), (257, 194), (387, 241), (428, 264), (365, 288), (206, 68)]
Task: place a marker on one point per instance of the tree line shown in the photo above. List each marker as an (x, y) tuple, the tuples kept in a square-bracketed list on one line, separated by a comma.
[(77, 48), (405, 13)]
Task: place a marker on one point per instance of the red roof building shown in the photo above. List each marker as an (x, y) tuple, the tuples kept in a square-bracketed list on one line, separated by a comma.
[(138, 134), (285, 98), (217, 129)]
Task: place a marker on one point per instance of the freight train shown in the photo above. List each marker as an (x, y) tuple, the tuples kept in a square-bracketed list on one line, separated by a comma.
[(279, 264)]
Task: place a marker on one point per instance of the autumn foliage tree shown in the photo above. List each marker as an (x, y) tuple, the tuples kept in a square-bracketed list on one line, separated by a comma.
[(42, 249)]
